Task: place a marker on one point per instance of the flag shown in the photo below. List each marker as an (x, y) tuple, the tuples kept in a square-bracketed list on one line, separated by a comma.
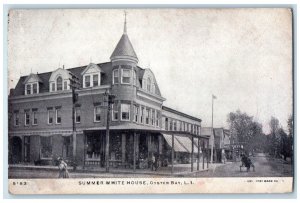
[(214, 97)]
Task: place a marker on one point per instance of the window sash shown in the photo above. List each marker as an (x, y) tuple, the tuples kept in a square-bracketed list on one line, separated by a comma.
[(65, 85), (87, 81), (115, 112), (58, 116), (59, 84), (116, 76), (77, 115), (16, 118), (28, 89), (125, 112), (27, 118), (97, 114), (34, 118), (50, 116), (126, 76), (95, 80), (34, 88)]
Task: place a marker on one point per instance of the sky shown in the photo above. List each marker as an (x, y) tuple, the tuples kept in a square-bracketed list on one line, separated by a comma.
[(242, 56)]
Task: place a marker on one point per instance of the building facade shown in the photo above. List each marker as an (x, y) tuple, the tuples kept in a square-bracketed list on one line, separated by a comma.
[(41, 124)]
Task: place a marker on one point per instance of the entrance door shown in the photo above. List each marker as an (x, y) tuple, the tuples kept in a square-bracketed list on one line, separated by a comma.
[(16, 150)]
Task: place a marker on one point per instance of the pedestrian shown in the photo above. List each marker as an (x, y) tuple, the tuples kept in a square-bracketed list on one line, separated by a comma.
[(156, 162), (63, 168), (153, 162)]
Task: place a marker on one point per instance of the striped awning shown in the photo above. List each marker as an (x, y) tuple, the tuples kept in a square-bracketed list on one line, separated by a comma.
[(178, 147), (182, 143)]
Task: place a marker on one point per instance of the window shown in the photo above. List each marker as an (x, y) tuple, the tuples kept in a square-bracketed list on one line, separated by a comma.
[(58, 115), (142, 115), (153, 117), (65, 85), (175, 125), (115, 112), (50, 115), (34, 116), (171, 124), (148, 84), (136, 113), (95, 80), (126, 76), (147, 116), (134, 77), (125, 112), (87, 81), (157, 118), (97, 114), (27, 118), (53, 87), (77, 114), (59, 84), (34, 88), (46, 147), (116, 76), (16, 118), (166, 124), (28, 89)]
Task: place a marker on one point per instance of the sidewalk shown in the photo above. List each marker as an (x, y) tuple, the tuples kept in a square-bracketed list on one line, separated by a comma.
[(180, 170)]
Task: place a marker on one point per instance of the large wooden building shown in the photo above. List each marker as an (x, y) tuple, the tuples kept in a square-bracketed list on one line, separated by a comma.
[(41, 124)]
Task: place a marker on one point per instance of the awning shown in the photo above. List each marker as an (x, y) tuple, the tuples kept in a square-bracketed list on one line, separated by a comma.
[(177, 146), (181, 143), (187, 143)]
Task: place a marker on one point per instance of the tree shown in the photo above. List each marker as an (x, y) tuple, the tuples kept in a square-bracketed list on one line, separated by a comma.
[(274, 144), (244, 130)]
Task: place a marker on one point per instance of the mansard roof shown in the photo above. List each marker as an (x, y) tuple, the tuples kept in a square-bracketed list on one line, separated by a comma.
[(106, 77)]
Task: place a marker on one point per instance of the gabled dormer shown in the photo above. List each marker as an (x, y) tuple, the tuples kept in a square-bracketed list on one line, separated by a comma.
[(32, 84), (149, 83), (59, 80), (91, 76)]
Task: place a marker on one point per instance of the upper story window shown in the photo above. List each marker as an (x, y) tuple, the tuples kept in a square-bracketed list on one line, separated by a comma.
[(153, 117), (65, 85), (32, 84), (97, 113), (34, 117), (77, 114), (126, 76), (142, 115), (16, 118), (136, 113), (157, 118), (91, 76), (58, 115), (147, 116), (125, 112), (166, 124), (59, 84), (50, 115), (27, 117), (115, 112), (87, 81), (116, 76)]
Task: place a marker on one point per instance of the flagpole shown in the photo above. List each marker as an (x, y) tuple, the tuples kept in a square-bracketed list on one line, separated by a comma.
[(212, 129)]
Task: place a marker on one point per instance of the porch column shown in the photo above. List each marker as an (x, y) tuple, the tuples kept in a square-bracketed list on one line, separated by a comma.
[(198, 161), (172, 158), (207, 155), (84, 149), (149, 145), (134, 151), (192, 155), (160, 149), (123, 149)]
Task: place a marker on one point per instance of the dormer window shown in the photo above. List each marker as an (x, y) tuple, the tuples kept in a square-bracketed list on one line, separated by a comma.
[(28, 89), (59, 83), (31, 84), (91, 76), (59, 80)]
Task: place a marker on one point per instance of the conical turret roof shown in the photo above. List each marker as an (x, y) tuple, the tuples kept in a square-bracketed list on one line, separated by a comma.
[(124, 48)]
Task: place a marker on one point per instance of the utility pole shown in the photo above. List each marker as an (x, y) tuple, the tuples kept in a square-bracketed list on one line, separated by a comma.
[(212, 129), (74, 84), (110, 100)]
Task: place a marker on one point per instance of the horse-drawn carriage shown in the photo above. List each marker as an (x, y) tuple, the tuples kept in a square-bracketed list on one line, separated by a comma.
[(247, 163)]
